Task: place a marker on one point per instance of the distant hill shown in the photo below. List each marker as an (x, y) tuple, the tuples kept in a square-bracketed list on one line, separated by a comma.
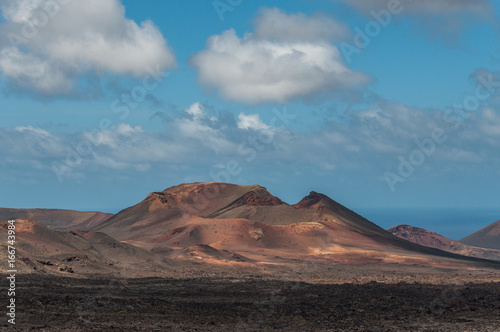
[(43, 250), (488, 237), (433, 240), (62, 220)]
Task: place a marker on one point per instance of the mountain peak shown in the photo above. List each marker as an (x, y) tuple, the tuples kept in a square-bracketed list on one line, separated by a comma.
[(488, 237), (407, 227), (253, 195), (312, 199), (250, 196), (260, 197), (408, 232)]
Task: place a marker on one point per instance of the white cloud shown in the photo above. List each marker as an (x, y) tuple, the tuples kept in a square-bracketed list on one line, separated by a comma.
[(204, 135), (73, 39), (445, 19), (477, 7), (191, 140), (124, 146), (274, 24), (276, 64), (197, 111), (202, 129), (36, 131), (374, 138), (20, 11), (490, 123), (114, 137), (368, 140), (252, 121), (27, 144), (31, 72)]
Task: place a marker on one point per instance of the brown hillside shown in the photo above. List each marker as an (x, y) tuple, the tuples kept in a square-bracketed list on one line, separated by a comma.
[(488, 237), (62, 220), (434, 240), (256, 226)]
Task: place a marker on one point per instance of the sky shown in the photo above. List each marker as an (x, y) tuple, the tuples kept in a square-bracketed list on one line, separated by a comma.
[(377, 104)]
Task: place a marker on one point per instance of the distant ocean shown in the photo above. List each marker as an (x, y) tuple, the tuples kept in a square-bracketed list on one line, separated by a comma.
[(452, 223)]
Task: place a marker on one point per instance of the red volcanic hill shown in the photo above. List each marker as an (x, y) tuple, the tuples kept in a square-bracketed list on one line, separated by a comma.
[(61, 220), (43, 250), (207, 221), (433, 240), (488, 237)]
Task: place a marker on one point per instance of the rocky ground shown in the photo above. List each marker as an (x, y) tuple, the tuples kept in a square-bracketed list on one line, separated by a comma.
[(256, 303)]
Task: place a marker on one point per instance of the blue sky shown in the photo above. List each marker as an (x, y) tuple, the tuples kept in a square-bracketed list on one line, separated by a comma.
[(250, 92)]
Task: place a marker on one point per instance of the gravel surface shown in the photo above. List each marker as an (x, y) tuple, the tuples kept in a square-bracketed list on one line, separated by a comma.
[(53, 303)]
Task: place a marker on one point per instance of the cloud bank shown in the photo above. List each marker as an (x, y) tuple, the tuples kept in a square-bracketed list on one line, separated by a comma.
[(428, 7), (443, 18), (370, 141)]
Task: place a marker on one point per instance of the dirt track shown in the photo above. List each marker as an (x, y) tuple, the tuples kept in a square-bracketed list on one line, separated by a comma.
[(48, 303)]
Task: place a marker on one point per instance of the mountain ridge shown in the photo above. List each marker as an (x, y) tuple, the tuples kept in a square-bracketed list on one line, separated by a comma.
[(430, 239), (58, 219), (251, 222), (40, 249)]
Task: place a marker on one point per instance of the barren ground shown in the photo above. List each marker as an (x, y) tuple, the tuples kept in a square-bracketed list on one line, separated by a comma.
[(408, 301)]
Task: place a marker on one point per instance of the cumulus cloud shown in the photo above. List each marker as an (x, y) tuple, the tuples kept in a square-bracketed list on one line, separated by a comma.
[(202, 129), (197, 111), (252, 121), (48, 45), (279, 62), (29, 71)]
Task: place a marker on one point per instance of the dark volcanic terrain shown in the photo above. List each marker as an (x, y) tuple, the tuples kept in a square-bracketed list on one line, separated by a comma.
[(255, 304)]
